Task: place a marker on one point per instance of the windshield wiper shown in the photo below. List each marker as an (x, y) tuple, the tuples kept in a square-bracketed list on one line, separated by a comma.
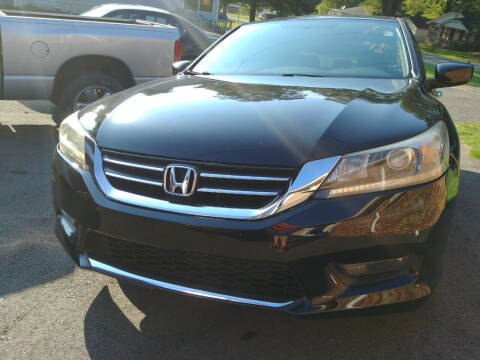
[(308, 75)]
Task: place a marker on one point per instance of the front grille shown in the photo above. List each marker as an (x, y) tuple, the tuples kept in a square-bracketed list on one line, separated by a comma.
[(218, 185), (239, 277)]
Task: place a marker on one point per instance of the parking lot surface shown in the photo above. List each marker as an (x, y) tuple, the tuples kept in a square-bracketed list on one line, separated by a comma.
[(51, 310)]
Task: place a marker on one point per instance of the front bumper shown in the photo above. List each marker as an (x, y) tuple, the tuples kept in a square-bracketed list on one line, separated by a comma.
[(314, 241)]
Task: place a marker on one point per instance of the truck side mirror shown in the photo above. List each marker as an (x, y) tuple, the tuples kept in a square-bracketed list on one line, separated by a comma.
[(179, 66), (450, 74)]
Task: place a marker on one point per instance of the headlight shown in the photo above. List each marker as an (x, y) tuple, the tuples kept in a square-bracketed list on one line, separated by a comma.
[(72, 141), (417, 160)]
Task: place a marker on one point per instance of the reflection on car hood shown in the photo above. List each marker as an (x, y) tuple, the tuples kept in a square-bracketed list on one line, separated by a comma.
[(273, 121)]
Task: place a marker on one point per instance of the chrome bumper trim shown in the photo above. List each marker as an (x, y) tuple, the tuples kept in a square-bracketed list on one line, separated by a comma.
[(110, 270)]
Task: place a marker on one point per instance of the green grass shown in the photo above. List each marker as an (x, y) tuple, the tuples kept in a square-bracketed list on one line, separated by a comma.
[(453, 54), (469, 133), (244, 14), (430, 69)]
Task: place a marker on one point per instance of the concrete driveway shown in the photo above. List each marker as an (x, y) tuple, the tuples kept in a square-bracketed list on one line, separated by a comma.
[(51, 310), (462, 102)]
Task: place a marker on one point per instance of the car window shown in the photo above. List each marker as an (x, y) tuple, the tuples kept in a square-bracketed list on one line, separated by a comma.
[(323, 47), (154, 17), (121, 14)]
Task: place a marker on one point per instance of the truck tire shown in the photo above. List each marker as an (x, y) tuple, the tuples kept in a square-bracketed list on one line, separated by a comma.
[(83, 90)]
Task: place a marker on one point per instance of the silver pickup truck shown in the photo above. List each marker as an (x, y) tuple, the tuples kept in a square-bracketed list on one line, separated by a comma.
[(73, 60)]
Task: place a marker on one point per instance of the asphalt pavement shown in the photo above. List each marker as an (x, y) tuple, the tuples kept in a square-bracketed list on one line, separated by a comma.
[(435, 59), (51, 310)]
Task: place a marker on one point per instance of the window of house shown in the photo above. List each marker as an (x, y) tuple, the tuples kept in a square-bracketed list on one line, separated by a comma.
[(206, 5)]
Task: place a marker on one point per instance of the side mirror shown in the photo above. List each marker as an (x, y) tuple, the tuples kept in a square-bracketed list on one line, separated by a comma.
[(450, 74), (179, 66)]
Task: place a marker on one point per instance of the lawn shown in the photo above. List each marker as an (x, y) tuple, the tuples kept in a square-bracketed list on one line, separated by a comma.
[(469, 133), (453, 54), (244, 14), (430, 69)]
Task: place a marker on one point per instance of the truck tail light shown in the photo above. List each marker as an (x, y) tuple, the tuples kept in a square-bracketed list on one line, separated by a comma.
[(178, 51)]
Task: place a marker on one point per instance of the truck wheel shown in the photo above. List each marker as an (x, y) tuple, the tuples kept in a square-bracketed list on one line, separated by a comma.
[(83, 90)]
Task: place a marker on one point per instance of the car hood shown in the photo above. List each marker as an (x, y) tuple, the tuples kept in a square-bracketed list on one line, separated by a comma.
[(272, 121)]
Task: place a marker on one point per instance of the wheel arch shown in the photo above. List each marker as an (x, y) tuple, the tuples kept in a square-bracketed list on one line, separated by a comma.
[(90, 63)]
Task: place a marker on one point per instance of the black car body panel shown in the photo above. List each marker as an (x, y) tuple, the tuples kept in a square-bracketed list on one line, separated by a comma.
[(323, 254), (269, 120)]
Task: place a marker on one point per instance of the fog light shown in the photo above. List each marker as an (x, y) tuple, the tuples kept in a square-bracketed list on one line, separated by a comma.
[(68, 224), (374, 267)]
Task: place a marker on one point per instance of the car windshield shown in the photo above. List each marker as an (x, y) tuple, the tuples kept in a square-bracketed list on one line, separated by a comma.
[(313, 47)]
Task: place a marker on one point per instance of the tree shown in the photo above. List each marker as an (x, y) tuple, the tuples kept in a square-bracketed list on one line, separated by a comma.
[(253, 10), (431, 9), (383, 7), (293, 7), (283, 7), (326, 5), (224, 6), (253, 4), (391, 7), (374, 7)]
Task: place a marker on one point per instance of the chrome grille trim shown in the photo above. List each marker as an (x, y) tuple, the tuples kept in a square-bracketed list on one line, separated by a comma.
[(237, 192), (300, 189), (131, 164), (134, 179), (242, 177)]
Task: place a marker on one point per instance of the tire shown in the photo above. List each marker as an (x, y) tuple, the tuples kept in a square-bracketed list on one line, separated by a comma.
[(77, 85)]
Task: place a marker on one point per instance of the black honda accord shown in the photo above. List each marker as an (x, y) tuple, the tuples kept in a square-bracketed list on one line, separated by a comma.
[(301, 164)]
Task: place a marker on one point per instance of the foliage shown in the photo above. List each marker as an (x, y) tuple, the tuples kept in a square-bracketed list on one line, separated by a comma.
[(469, 133), (283, 7), (324, 7), (293, 7), (373, 7), (429, 9)]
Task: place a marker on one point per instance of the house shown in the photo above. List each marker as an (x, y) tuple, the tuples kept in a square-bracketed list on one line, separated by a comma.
[(207, 9), (447, 29)]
